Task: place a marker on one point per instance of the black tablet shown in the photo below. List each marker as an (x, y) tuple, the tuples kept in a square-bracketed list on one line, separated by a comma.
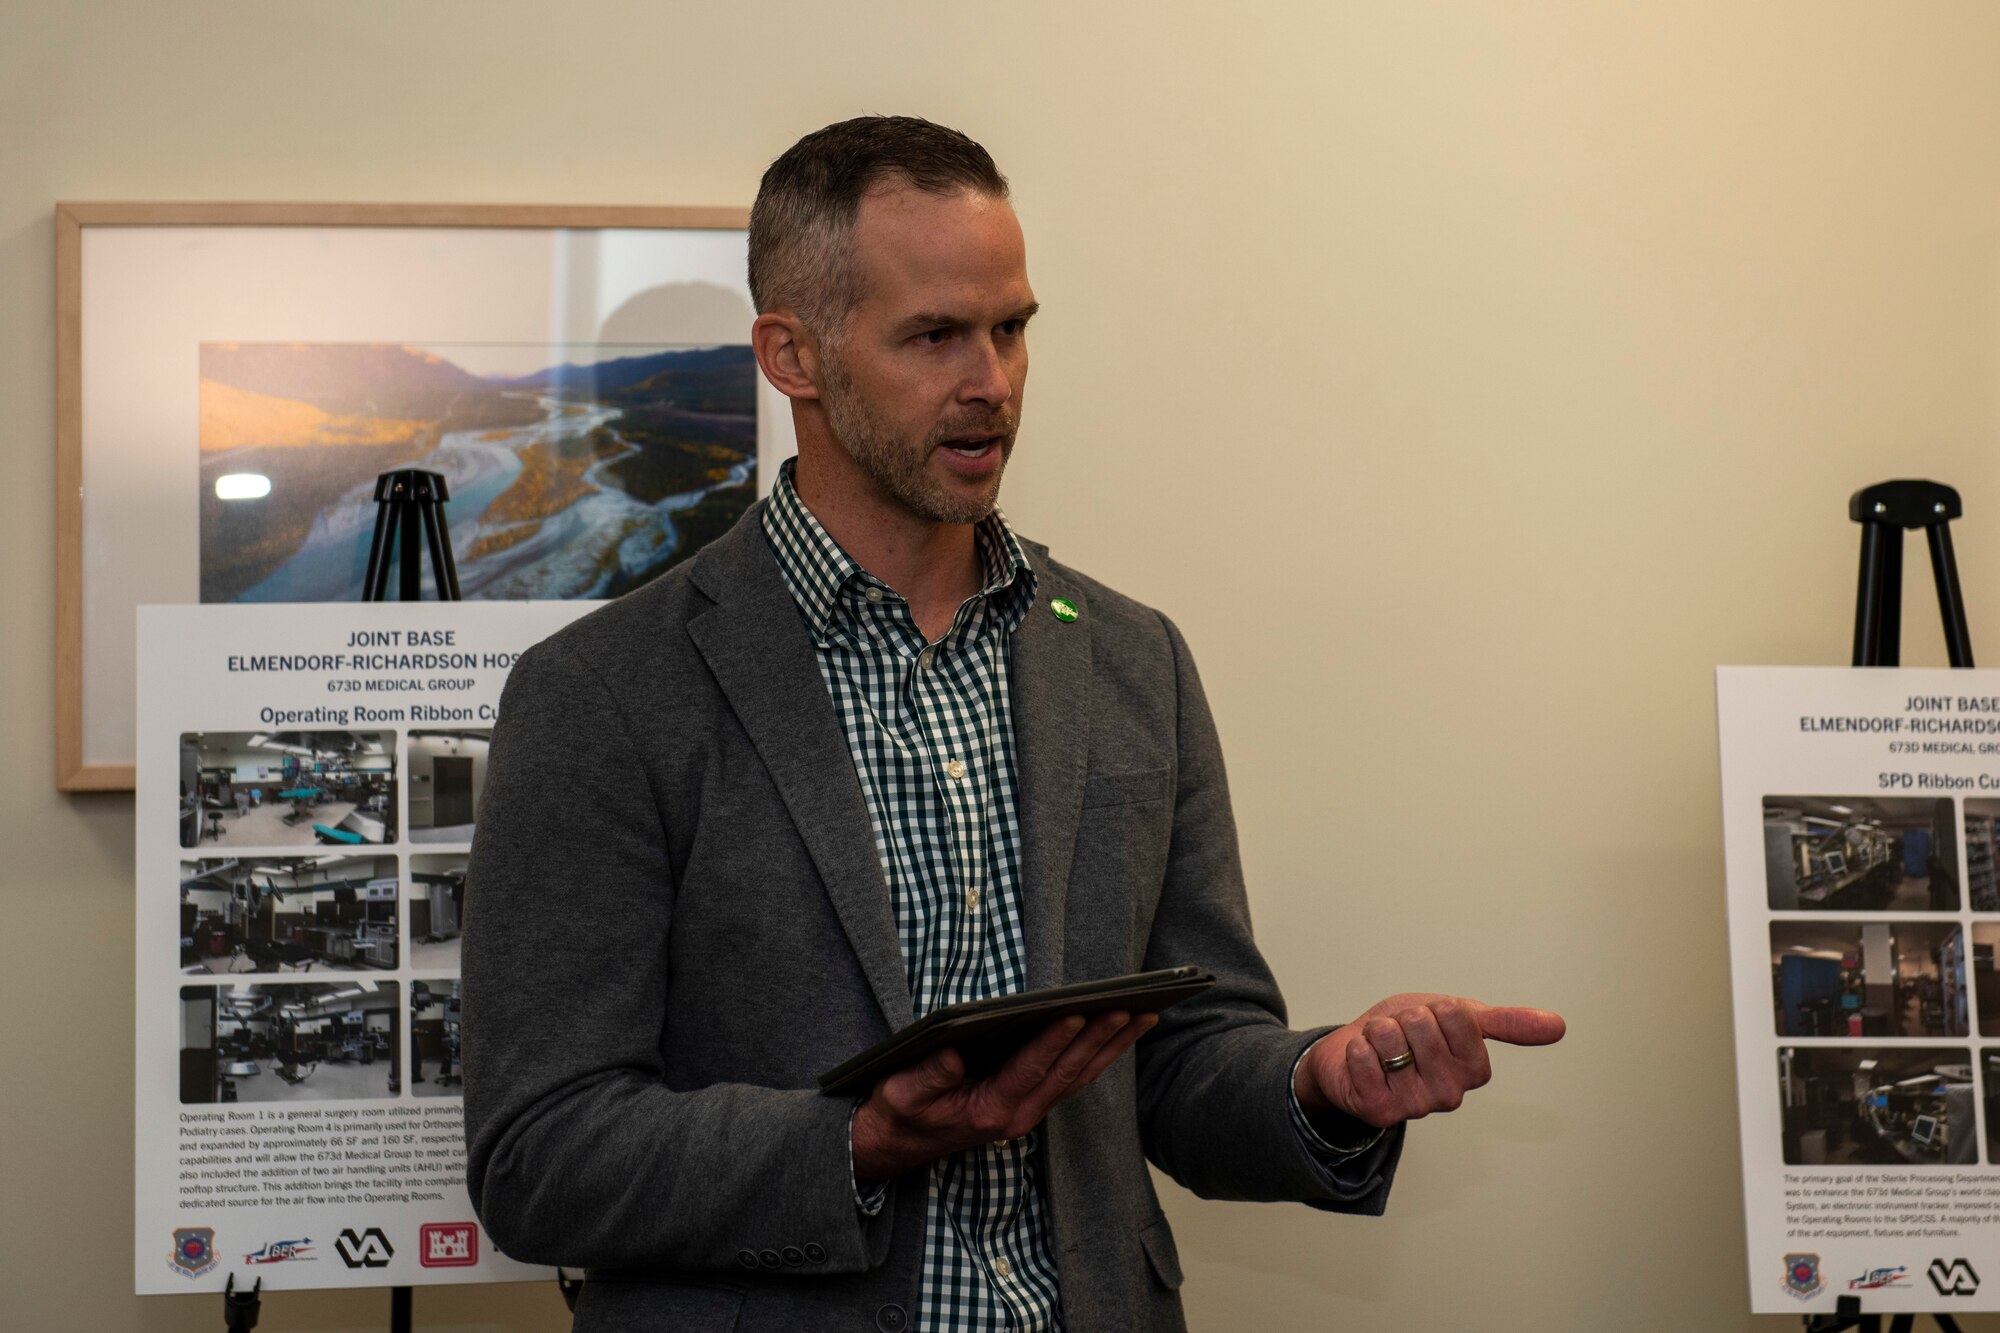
[(986, 1032)]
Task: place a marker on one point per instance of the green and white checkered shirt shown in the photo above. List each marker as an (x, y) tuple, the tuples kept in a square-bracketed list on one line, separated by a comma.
[(931, 729)]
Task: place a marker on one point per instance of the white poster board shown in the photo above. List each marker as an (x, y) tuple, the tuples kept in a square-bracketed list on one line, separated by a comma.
[(308, 785), (1860, 810)]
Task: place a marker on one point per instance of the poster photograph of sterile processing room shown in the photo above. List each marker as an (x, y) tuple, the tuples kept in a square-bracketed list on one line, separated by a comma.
[(275, 913), (1982, 837), (1990, 1063), (1860, 854), (290, 1042), (447, 775), (1869, 978), (287, 789), (437, 909), (1876, 1106)]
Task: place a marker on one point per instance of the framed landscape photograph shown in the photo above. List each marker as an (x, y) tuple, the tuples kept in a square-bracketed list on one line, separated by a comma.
[(233, 377)]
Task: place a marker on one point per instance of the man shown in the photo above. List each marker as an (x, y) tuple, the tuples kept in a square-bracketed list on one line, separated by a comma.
[(865, 755)]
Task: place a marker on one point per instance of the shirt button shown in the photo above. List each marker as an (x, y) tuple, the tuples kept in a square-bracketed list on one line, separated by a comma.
[(924, 660), (873, 595), (955, 769), (972, 900), (1002, 1267)]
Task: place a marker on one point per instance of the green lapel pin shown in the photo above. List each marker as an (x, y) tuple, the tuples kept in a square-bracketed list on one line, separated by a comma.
[(1064, 608)]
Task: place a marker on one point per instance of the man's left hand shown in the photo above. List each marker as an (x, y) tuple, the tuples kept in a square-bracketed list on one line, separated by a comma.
[(1345, 1071)]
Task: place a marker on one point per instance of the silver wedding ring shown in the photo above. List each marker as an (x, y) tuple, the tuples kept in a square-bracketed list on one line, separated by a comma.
[(1403, 1061)]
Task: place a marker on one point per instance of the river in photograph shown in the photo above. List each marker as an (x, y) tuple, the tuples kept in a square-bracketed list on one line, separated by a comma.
[(578, 551)]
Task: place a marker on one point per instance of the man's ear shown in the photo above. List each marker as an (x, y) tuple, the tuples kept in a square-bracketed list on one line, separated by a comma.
[(787, 353)]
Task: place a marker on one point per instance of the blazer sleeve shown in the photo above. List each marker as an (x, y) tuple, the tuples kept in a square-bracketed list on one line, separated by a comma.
[(1215, 1078), (578, 1153)]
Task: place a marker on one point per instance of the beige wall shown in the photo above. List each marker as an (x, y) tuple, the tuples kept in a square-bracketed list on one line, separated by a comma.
[(1466, 379)]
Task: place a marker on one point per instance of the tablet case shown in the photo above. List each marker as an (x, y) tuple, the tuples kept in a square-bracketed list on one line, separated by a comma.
[(986, 1032)]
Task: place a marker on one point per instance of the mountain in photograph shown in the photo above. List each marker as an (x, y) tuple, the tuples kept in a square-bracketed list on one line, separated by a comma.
[(584, 478)]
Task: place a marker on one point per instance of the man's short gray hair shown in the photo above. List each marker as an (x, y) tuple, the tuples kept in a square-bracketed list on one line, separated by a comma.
[(802, 225)]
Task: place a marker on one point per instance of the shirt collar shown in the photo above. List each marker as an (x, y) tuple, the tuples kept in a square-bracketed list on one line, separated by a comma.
[(815, 568)]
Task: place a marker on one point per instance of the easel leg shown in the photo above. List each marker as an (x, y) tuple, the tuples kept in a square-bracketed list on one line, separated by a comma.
[(413, 559), (1951, 597), (443, 572), (1876, 538), (383, 545)]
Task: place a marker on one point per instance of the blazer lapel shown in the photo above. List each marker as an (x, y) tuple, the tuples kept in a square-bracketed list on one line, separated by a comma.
[(755, 643), (1049, 676)]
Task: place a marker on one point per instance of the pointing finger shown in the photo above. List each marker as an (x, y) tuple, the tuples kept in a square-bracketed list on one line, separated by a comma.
[(1461, 1031), (1520, 1027)]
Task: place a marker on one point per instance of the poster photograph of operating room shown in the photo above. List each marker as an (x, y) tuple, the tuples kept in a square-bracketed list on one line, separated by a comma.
[(434, 1069), (287, 789), (291, 1042), (437, 909), (447, 774), (1868, 978), (1876, 1106), (324, 913), (1860, 854)]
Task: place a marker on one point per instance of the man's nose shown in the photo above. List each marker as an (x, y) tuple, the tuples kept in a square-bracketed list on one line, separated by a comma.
[(986, 380)]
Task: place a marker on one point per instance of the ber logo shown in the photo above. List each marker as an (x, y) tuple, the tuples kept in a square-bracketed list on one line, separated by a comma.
[(1953, 1279), (448, 1244), (370, 1249)]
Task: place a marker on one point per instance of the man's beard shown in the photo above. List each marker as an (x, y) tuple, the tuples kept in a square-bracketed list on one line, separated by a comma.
[(898, 468)]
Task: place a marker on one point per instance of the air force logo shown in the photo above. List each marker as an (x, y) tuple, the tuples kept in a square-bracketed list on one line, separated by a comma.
[(1802, 1275), (193, 1252)]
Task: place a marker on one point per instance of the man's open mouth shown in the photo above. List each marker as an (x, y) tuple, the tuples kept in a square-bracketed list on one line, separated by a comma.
[(972, 448)]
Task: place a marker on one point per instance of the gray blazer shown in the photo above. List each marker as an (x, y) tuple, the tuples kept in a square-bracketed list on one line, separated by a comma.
[(677, 921)]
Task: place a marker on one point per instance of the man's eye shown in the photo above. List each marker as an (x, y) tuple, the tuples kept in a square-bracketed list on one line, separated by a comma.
[(1012, 327), (936, 337)]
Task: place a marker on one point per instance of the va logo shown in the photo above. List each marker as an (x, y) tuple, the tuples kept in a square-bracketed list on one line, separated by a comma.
[(1802, 1275), (1953, 1279), (194, 1251), (370, 1249)]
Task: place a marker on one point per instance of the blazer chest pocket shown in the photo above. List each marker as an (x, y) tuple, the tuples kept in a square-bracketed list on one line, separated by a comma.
[(1102, 789)]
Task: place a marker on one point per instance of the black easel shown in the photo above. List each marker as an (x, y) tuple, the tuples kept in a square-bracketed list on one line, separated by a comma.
[(1847, 1314), (241, 1308), (405, 502), (1884, 511)]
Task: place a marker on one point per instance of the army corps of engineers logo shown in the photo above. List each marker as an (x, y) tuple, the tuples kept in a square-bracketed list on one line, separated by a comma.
[(1802, 1275), (194, 1251)]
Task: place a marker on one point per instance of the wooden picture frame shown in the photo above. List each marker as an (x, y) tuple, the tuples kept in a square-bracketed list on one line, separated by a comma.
[(90, 235)]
